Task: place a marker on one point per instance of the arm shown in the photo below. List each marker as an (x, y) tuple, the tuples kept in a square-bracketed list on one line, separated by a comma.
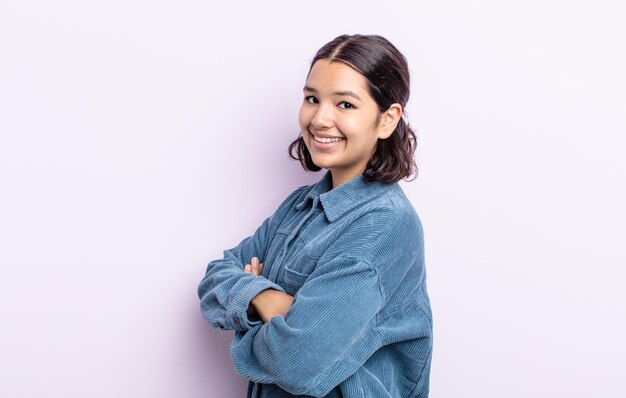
[(326, 335), (269, 302), (226, 290)]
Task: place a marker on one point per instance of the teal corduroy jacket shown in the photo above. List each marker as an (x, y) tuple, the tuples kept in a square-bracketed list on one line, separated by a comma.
[(360, 324)]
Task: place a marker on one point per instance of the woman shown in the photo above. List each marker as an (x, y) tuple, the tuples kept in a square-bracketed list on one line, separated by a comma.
[(328, 297)]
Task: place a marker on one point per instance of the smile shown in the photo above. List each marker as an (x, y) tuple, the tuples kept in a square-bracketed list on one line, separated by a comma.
[(326, 140)]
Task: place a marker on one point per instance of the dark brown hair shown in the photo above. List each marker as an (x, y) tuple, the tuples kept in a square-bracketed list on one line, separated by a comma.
[(388, 82)]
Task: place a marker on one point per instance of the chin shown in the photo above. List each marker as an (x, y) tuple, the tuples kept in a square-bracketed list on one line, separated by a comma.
[(320, 162)]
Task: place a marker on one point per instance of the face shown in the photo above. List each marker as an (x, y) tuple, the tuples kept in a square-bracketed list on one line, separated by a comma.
[(339, 120)]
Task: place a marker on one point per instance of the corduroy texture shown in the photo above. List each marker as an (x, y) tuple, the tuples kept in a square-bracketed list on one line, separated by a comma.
[(360, 324)]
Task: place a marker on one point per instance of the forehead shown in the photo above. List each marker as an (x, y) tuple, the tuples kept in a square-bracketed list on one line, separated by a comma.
[(335, 75)]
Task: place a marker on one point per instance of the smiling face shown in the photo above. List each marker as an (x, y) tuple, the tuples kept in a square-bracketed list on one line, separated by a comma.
[(340, 121)]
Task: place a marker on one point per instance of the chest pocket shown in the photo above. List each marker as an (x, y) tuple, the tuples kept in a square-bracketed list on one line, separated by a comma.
[(298, 266), (301, 251)]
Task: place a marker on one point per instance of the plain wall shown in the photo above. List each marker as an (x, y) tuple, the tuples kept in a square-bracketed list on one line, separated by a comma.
[(138, 139)]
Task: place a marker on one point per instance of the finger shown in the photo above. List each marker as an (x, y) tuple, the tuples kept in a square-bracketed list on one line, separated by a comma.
[(258, 268), (247, 268), (255, 266)]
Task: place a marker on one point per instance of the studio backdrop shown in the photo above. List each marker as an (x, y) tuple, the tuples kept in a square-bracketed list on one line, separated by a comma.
[(140, 139)]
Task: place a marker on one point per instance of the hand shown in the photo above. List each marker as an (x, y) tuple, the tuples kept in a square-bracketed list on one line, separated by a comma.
[(269, 302), (255, 267)]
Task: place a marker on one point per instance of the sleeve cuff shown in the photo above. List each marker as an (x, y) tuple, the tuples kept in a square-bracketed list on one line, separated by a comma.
[(236, 316)]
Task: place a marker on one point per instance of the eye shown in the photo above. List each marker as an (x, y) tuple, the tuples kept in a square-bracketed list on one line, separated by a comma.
[(311, 99), (346, 105)]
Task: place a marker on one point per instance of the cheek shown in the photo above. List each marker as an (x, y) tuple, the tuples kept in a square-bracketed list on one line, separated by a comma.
[(364, 126), (354, 128), (304, 118)]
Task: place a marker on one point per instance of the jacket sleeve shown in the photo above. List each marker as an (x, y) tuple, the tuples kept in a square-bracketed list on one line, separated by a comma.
[(226, 290), (327, 334)]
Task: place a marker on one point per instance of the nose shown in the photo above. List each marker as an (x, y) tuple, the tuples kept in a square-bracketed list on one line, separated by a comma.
[(322, 119)]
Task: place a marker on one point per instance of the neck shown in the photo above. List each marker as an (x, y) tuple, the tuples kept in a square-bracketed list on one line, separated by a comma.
[(339, 177)]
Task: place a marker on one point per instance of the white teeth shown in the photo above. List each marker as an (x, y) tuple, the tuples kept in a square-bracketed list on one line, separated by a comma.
[(326, 140)]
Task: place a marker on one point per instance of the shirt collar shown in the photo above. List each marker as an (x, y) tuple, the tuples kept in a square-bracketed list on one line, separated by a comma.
[(340, 200)]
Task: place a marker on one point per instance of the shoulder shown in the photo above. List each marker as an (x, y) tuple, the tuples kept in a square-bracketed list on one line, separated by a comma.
[(384, 227), (389, 213), (402, 212)]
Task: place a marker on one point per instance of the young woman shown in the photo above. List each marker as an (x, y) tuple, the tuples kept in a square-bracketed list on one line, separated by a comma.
[(328, 297)]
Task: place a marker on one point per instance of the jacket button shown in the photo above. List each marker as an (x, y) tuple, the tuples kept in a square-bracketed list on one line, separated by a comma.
[(237, 322)]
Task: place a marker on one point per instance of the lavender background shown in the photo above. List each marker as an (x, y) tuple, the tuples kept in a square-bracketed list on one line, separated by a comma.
[(138, 139)]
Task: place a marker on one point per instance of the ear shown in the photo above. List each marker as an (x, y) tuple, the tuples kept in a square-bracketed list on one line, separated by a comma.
[(389, 119)]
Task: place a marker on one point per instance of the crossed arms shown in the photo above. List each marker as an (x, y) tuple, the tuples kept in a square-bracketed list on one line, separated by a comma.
[(269, 302)]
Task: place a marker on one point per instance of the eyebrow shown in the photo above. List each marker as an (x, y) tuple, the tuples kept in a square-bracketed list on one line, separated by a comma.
[(336, 93)]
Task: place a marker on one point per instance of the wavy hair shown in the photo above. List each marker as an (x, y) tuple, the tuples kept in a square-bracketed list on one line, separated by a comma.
[(387, 74)]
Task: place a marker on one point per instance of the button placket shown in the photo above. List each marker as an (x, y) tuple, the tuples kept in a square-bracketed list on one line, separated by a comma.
[(290, 238)]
